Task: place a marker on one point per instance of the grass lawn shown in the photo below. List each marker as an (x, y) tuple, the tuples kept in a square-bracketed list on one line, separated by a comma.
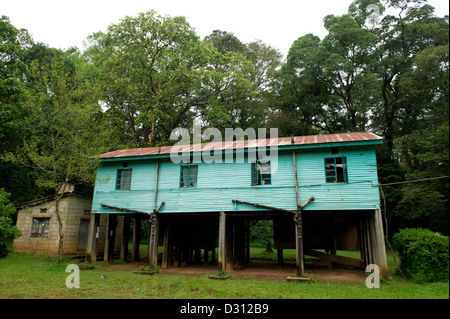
[(38, 276)]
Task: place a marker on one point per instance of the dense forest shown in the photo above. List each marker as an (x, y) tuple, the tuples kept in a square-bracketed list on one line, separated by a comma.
[(387, 73)]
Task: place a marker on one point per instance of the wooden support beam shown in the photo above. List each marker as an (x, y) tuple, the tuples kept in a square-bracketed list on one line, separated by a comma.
[(222, 223), (294, 160), (239, 243), (177, 240), (125, 209), (111, 223), (155, 211), (229, 230), (125, 238), (247, 241), (300, 264), (335, 258), (280, 257), (156, 184), (380, 245), (166, 251), (263, 206), (153, 240), (91, 248), (136, 238)]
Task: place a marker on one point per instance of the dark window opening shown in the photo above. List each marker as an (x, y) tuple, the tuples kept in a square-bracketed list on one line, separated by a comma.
[(123, 181), (188, 176), (261, 174), (40, 227), (336, 170)]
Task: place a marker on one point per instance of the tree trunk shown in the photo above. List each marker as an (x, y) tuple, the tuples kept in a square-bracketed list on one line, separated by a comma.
[(60, 228)]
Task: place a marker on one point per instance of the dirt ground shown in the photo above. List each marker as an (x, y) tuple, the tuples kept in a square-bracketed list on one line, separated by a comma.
[(261, 271)]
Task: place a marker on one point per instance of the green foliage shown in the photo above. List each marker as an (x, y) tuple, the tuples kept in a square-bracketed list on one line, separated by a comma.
[(261, 233), (424, 254), (8, 230), (46, 279), (425, 154), (156, 75)]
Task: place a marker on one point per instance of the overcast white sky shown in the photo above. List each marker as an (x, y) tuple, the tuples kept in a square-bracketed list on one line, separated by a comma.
[(62, 24)]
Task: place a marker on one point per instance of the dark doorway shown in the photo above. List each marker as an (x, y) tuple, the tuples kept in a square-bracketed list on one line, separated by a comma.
[(83, 234)]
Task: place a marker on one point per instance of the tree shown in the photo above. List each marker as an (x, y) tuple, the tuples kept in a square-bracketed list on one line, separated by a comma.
[(299, 98), (401, 39), (7, 229), (247, 108), (157, 75), (332, 76), (226, 42), (64, 113), (14, 46)]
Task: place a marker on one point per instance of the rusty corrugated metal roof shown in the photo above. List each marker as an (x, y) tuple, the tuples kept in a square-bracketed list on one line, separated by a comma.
[(229, 145)]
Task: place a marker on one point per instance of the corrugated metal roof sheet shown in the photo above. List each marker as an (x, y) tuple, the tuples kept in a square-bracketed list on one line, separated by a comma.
[(229, 145)]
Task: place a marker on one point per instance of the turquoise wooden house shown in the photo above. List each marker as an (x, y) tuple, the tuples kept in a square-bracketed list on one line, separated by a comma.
[(320, 191)]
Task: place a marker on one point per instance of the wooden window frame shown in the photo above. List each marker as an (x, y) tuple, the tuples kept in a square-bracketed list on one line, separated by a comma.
[(42, 230), (123, 179), (257, 174), (187, 183), (334, 173)]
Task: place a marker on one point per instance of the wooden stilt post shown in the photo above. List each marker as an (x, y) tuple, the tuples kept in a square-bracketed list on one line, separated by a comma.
[(361, 241), (239, 244), (91, 248), (280, 257), (166, 251), (125, 238), (222, 228), (111, 224), (366, 237), (136, 238), (229, 243), (154, 227), (153, 241), (298, 225), (197, 255), (177, 242), (299, 245), (380, 245), (247, 240)]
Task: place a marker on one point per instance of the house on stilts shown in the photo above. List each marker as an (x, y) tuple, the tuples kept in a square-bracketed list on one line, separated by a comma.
[(320, 191)]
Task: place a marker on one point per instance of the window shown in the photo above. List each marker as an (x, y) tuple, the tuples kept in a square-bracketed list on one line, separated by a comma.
[(336, 169), (188, 177), (261, 174), (39, 227), (123, 181)]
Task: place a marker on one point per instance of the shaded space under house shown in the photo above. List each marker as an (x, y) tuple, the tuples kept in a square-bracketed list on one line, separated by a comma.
[(321, 192)]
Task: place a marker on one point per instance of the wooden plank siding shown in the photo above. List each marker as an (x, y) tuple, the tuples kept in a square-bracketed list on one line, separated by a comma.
[(219, 183)]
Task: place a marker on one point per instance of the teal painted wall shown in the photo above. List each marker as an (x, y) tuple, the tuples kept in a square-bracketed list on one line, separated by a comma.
[(219, 183)]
